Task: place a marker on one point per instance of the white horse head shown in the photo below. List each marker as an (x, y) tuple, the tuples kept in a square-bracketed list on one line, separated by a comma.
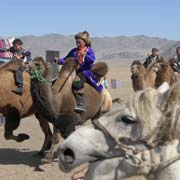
[(140, 137)]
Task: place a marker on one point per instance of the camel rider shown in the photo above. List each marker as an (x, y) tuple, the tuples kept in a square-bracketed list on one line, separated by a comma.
[(85, 57), (152, 58), (176, 64), (21, 54)]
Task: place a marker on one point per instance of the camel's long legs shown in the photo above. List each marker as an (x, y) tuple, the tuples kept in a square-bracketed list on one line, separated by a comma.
[(47, 133)]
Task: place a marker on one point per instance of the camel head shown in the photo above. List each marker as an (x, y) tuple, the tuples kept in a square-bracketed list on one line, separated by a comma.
[(160, 66), (39, 64), (137, 67), (148, 117)]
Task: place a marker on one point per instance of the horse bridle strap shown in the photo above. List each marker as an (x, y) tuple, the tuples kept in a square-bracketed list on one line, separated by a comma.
[(155, 166), (99, 126), (117, 141)]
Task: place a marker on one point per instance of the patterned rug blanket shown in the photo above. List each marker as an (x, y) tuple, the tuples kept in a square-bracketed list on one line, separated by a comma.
[(4, 45)]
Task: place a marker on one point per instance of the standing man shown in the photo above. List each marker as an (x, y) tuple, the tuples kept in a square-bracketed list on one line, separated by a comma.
[(178, 54), (176, 63), (152, 58)]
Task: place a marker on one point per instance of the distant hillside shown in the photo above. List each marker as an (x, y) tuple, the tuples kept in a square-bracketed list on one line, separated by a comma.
[(106, 48), (171, 52)]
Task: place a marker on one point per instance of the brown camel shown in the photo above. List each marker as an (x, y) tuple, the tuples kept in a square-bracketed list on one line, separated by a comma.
[(141, 77), (15, 107), (57, 104), (164, 73)]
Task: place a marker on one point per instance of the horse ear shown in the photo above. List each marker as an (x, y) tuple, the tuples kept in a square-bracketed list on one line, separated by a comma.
[(170, 97)]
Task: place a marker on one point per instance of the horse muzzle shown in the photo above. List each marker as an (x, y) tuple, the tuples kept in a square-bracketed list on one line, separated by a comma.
[(66, 159)]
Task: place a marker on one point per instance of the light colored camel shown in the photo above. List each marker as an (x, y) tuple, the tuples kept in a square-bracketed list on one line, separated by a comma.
[(141, 77), (164, 73)]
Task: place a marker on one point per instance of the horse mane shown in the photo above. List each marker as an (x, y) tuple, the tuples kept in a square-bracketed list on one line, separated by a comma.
[(171, 109), (158, 114), (144, 104)]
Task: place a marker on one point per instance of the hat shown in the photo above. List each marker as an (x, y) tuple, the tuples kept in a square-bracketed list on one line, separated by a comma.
[(84, 36)]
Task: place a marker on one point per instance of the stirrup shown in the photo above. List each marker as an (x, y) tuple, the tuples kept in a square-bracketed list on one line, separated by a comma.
[(79, 109), (18, 90)]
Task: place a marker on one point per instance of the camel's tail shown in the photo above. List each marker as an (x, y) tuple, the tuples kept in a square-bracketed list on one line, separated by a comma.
[(99, 70)]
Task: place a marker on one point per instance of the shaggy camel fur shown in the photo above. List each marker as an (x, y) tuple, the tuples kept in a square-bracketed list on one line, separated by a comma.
[(141, 77), (57, 104), (164, 73), (15, 107)]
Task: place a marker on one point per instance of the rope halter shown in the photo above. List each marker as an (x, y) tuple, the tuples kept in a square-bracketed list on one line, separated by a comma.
[(37, 76)]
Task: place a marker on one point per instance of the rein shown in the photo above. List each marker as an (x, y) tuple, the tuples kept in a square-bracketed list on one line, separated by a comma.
[(135, 161), (37, 75), (62, 86)]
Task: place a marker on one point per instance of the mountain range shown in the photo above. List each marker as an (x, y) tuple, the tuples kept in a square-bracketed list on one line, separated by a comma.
[(121, 48)]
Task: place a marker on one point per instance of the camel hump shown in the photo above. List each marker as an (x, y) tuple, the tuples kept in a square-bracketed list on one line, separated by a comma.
[(100, 69), (12, 65)]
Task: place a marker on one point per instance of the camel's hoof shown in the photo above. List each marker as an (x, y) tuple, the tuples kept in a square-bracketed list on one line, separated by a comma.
[(8, 137), (22, 137), (46, 161), (48, 158)]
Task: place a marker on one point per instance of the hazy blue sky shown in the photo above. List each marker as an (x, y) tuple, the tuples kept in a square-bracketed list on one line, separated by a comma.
[(99, 17)]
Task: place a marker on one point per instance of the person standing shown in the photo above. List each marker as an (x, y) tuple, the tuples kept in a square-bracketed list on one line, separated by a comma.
[(176, 63)]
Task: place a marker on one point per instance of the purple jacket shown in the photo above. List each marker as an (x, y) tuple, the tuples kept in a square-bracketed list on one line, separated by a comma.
[(85, 66), (88, 60)]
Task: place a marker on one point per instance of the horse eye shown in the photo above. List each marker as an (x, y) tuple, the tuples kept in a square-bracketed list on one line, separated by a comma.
[(128, 119)]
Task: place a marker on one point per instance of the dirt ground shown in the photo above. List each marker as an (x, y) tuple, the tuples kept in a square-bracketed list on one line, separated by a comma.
[(17, 160)]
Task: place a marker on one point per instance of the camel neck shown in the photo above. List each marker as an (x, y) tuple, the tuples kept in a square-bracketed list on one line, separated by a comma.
[(60, 82)]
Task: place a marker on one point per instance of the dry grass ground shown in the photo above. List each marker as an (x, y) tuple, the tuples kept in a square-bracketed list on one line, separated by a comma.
[(16, 159)]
